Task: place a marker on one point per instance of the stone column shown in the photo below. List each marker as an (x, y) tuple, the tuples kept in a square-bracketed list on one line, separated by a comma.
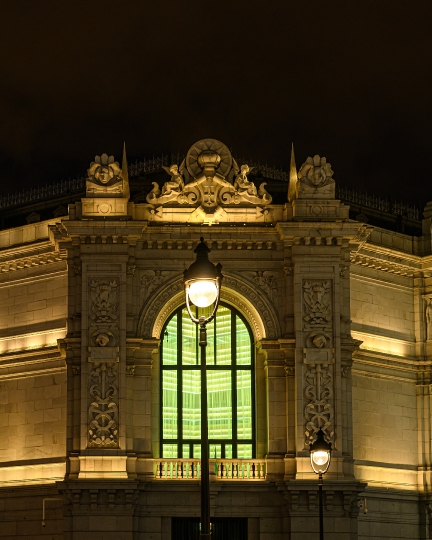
[(142, 432)]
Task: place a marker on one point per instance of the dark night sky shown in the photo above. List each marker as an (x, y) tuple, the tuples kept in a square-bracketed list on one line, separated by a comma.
[(349, 80)]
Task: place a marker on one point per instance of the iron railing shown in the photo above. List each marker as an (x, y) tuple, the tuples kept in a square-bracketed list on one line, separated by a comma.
[(377, 203), (223, 469)]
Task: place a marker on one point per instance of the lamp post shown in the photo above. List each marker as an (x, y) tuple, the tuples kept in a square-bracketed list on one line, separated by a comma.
[(202, 281), (320, 455)]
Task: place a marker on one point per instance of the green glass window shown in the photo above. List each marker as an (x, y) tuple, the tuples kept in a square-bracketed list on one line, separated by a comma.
[(230, 387)]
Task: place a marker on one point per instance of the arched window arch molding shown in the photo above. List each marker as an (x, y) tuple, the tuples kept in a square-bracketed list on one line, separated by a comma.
[(236, 291)]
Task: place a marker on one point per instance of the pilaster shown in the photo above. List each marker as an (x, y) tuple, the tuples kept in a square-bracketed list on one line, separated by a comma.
[(99, 357), (323, 343), (274, 368)]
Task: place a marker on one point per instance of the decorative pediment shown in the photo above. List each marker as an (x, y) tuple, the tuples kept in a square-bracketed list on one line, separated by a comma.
[(208, 178)]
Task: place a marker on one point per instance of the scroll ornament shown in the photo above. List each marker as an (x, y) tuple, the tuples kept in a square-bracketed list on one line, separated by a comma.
[(150, 281), (267, 282)]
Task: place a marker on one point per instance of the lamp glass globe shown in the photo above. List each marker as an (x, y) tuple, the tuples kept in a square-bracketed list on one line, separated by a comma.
[(203, 293), (320, 458)]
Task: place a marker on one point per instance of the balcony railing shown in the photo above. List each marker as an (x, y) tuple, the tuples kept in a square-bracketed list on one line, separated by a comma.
[(221, 469)]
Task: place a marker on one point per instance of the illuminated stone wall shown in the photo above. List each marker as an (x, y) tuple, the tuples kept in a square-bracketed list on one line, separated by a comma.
[(33, 308), (341, 324)]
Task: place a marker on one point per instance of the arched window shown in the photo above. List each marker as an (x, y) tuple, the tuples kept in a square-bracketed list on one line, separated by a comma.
[(230, 387)]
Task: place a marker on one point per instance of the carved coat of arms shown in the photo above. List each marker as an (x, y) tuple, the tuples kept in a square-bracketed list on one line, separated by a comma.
[(209, 177)]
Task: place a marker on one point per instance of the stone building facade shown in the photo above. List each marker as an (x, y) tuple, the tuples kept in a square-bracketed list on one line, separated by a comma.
[(340, 319)]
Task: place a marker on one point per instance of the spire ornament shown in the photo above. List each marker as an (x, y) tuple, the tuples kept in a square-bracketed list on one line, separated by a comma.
[(125, 173), (293, 178)]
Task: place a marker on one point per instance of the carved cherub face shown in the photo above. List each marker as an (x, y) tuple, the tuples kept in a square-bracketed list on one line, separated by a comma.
[(174, 169), (317, 171), (102, 340), (245, 169), (317, 176), (104, 174)]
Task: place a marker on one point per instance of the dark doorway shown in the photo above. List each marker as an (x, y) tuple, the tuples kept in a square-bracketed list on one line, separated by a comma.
[(223, 528)]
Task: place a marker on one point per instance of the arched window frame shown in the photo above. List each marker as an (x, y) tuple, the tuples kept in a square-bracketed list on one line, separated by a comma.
[(194, 444)]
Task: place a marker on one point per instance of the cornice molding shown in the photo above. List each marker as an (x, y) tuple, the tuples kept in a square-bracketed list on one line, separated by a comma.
[(30, 262), (214, 245), (385, 263), (32, 362), (52, 273)]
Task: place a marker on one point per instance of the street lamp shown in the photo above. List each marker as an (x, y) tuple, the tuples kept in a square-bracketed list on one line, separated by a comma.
[(202, 281), (320, 455)]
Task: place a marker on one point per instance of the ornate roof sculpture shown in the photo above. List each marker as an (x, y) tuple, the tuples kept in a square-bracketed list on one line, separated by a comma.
[(311, 191), (315, 179), (104, 178), (107, 187), (209, 178), (210, 187)]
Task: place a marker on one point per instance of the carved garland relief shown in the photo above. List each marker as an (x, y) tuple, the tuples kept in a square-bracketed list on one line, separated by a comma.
[(104, 361), (318, 357)]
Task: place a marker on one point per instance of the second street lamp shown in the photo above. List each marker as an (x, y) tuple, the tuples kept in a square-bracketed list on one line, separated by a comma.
[(202, 281), (320, 455)]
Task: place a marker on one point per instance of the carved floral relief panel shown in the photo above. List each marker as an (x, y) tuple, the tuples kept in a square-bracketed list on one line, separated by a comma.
[(318, 357), (150, 281), (103, 357)]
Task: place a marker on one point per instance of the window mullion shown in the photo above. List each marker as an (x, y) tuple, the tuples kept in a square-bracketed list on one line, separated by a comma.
[(234, 383), (180, 382)]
